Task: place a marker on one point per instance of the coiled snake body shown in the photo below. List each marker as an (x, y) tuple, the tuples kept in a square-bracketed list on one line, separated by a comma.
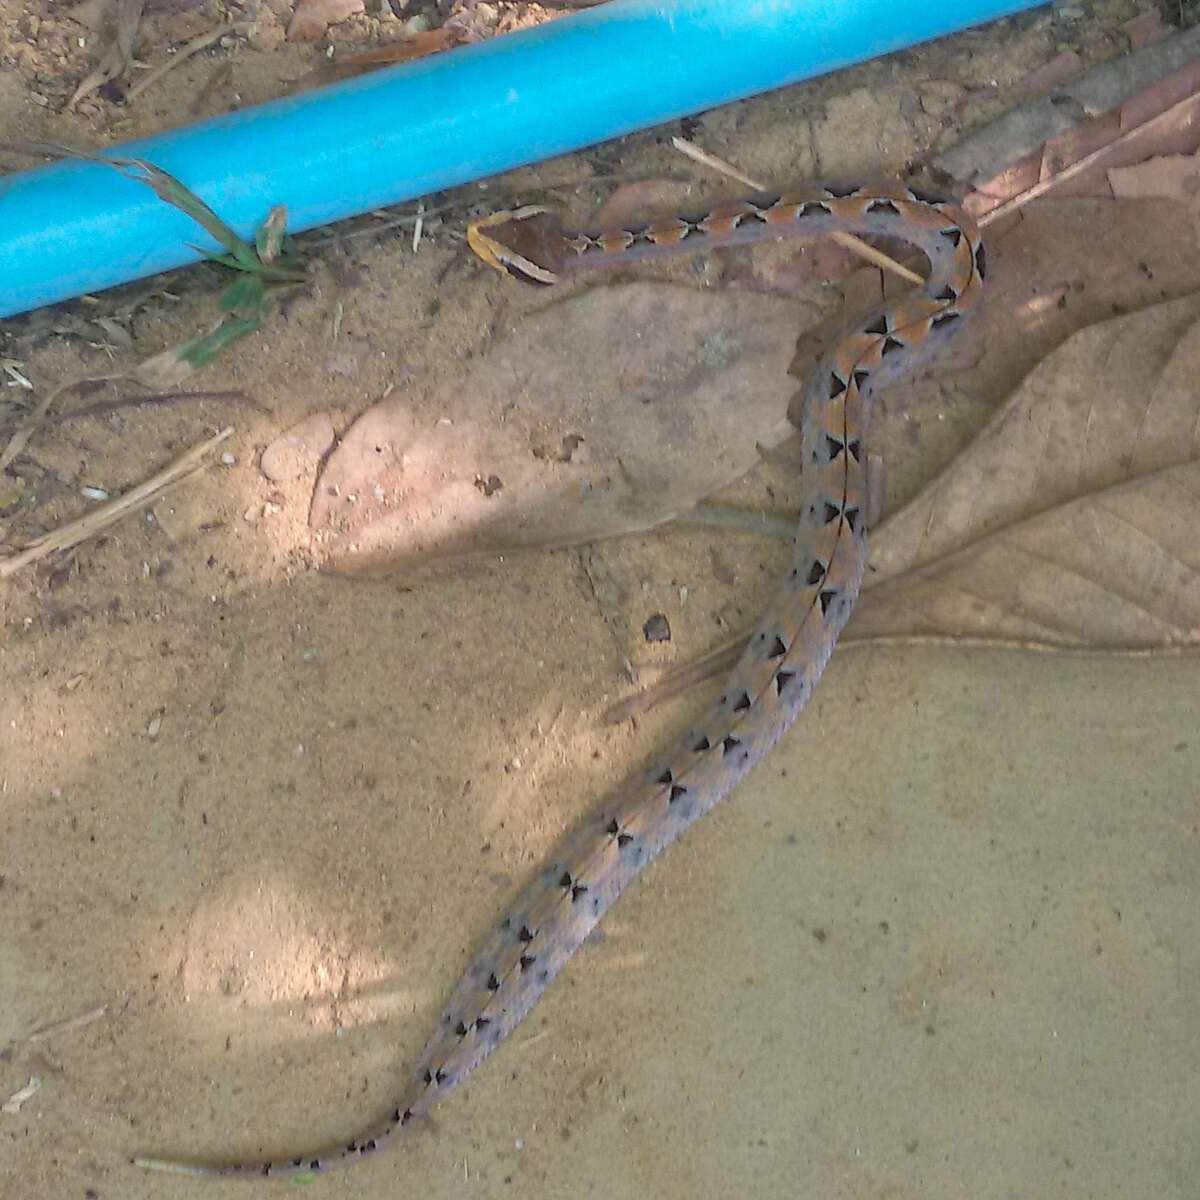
[(784, 658)]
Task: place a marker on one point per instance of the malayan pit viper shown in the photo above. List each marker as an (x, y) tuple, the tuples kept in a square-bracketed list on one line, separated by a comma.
[(784, 658)]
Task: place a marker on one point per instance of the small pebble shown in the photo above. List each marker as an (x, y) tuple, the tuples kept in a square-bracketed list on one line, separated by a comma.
[(657, 628)]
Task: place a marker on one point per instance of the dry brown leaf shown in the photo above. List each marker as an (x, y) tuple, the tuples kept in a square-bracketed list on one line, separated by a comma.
[(1118, 569), (607, 412), (1073, 518), (1115, 402), (1173, 175), (1159, 119)]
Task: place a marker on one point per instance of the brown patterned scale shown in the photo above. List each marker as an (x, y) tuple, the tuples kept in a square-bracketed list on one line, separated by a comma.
[(784, 658)]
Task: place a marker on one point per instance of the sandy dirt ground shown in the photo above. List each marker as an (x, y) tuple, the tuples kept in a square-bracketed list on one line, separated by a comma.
[(254, 818)]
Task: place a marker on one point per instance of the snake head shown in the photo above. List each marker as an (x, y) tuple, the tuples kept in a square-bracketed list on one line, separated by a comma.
[(525, 243)]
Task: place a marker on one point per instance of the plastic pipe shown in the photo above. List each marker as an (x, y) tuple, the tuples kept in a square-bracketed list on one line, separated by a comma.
[(70, 228)]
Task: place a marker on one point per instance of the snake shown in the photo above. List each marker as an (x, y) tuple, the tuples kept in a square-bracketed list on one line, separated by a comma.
[(783, 659)]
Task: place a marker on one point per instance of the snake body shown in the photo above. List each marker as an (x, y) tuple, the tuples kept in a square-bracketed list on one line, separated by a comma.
[(784, 658)]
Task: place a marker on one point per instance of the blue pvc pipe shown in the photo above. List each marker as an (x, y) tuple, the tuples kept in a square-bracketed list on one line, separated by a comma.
[(76, 227)]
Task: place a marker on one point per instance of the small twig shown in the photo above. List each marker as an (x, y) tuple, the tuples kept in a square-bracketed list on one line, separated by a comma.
[(49, 1031), (108, 514), (14, 1102), (676, 682), (36, 415), (104, 407), (10, 366), (418, 227), (847, 240), (595, 571), (716, 164), (165, 1164), (184, 53)]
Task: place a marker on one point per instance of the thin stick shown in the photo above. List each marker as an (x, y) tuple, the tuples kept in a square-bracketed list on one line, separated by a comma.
[(1082, 164), (32, 421), (418, 227), (185, 52), (14, 1102), (848, 240), (49, 1031), (165, 1164), (104, 407), (716, 164), (108, 514), (36, 417)]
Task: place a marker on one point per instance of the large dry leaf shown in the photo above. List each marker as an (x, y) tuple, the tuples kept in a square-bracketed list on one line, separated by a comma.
[(1074, 518), (607, 412), (1116, 569), (1117, 401)]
